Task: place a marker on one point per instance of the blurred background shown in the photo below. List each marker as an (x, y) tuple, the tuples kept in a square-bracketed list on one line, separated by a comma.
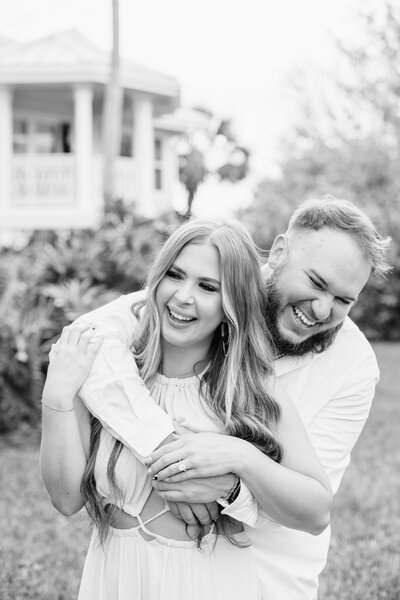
[(118, 121)]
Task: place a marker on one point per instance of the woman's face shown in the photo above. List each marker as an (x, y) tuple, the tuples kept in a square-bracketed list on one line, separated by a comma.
[(189, 299)]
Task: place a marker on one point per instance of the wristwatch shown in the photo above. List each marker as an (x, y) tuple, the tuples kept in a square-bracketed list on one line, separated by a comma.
[(234, 491)]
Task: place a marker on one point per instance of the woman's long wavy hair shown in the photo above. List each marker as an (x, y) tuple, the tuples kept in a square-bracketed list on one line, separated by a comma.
[(234, 386)]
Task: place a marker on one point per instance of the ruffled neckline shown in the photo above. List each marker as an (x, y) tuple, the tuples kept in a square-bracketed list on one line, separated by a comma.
[(180, 381)]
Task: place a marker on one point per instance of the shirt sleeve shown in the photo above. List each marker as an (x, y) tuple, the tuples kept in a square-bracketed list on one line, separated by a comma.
[(336, 428), (245, 509), (114, 391)]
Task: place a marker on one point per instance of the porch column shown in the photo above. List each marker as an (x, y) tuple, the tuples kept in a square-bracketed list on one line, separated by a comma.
[(6, 127), (83, 99), (143, 144)]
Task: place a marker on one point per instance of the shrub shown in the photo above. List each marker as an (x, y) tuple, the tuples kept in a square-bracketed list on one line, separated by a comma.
[(54, 278)]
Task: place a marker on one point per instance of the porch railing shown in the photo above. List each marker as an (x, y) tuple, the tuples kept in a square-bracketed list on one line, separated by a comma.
[(43, 178), (50, 178)]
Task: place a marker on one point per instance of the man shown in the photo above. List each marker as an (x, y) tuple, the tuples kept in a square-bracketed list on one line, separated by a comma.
[(314, 275)]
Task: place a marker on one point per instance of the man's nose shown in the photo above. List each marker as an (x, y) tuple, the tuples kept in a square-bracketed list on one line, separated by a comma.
[(322, 307)]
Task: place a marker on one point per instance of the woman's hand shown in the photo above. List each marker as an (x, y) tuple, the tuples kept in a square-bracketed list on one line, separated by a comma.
[(70, 362), (196, 455)]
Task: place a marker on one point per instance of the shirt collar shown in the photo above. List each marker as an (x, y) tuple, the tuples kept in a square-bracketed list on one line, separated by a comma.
[(287, 364)]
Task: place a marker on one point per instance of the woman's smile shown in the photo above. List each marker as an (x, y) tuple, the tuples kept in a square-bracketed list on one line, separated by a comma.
[(178, 318)]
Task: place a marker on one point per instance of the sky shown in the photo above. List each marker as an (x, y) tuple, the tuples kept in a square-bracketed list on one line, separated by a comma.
[(235, 57)]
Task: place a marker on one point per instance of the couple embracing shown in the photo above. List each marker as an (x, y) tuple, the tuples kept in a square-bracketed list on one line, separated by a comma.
[(206, 422)]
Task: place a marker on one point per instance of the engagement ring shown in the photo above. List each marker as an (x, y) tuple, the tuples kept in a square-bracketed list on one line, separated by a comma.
[(181, 466)]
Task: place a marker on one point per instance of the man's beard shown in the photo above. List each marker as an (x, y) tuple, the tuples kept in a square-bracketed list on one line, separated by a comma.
[(317, 343)]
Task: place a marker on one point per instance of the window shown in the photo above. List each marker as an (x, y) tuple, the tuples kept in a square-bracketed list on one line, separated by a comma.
[(36, 136), (66, 141), (52, 138), (158, 179), (20, 138), (45, 141), (126, 144), (157, 149), (158, 166)]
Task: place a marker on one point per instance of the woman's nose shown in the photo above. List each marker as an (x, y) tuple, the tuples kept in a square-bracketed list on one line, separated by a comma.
[(184, 294)]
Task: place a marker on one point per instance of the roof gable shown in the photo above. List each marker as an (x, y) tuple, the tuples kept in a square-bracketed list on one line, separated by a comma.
[(69, 57), (65, 48)]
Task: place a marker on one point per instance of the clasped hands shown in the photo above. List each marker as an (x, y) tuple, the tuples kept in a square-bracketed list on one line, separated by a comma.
[(208, 460)]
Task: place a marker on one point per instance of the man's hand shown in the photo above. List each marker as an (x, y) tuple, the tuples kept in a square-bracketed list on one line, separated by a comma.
[(204, 490), (195, 514), (70, 362)]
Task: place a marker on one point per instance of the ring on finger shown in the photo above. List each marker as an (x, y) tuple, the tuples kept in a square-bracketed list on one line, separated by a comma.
[(181, 465)]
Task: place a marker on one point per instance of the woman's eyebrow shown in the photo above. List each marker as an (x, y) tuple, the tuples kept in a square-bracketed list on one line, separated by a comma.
[(203, 279), (174, 266), (210, 280)]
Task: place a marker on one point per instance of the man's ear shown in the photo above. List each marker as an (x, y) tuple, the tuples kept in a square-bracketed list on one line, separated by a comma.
[(278, 251)]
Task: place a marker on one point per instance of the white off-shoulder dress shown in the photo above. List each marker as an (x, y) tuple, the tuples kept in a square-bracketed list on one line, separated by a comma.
[(132, 566)]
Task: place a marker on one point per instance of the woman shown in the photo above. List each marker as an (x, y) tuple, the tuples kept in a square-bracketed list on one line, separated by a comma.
[(201, 345)]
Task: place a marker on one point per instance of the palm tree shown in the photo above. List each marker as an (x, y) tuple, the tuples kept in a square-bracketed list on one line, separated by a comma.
[(215, 152)]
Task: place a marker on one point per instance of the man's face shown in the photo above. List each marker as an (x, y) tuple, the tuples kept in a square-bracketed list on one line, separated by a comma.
[(317, 277)]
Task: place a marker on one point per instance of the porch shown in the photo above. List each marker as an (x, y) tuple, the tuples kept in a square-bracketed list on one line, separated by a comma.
[(43, 191), (51, 124)]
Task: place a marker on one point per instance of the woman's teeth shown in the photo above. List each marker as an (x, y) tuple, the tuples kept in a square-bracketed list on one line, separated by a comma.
[(180, 318)]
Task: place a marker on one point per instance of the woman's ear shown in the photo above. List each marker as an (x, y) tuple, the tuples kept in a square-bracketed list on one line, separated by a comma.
[(278, 251)]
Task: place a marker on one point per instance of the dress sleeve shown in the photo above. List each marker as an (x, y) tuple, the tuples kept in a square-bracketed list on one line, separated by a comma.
[(114, 391)]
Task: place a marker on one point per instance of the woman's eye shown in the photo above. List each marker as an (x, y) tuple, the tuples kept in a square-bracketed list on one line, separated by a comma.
[(208, 288), (173, 274), (343, 301)]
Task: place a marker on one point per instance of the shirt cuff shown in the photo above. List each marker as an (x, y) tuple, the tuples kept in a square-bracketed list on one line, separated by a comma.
[(244, 508)]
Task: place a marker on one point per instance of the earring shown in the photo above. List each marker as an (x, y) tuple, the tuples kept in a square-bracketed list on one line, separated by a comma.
[(226, 337)]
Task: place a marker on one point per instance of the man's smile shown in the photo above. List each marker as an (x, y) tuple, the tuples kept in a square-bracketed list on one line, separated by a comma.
[(302, 319)]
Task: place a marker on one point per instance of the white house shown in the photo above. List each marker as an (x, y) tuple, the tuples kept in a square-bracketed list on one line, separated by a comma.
[(51, 104)]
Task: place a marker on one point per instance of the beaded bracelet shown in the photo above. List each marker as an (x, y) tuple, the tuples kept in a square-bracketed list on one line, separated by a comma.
[(57, 409), (234, 491)]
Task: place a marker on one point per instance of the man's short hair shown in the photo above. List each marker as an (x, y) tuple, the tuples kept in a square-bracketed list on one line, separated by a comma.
[(343, 215)]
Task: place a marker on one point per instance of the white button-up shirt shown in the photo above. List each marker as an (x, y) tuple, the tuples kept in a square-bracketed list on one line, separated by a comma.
[(332, 391)]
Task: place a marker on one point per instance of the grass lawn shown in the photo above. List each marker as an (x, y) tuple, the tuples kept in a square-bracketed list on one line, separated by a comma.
[(42, 552), (364, 558)]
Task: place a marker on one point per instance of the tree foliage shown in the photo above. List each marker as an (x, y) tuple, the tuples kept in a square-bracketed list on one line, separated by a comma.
[(212, 149), (347, 143)]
